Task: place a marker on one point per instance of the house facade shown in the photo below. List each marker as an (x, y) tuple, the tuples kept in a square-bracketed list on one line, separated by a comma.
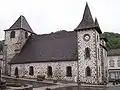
[(114, 64), (63, 55)]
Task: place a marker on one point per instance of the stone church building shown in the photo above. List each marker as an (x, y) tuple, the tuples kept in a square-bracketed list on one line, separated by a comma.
[(63, 55)]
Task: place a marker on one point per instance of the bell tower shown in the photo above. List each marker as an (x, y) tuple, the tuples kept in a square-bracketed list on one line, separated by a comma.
[(15, 38), (89, 61)]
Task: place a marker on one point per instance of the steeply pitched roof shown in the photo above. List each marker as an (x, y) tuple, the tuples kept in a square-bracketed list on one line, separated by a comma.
[(114, 52), (96, 23), (21, 23), (87, 20), (59, 46), (97, 26)]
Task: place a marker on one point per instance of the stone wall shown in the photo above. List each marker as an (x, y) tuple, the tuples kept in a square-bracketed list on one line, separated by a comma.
[(104, 62), (93, 62), (58, 69), (13, 46)]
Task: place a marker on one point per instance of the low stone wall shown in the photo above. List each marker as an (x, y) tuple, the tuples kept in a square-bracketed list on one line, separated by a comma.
[(26, 87), (23, 82)]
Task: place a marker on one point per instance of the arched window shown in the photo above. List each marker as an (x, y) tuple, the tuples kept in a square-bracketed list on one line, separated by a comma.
[(98, 54), (49, 71), (26, 34), (12, 34), (97, 38), (99, 70), (69, 71), (118, 61), (111, 63), (16, 71), (87, 52), (31, 70), (88, 71)]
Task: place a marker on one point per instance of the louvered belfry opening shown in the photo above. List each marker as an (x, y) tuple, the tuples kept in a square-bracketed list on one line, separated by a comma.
[(12, 34)]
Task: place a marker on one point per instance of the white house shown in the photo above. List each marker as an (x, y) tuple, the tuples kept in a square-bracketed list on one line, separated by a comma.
[(114, 64)]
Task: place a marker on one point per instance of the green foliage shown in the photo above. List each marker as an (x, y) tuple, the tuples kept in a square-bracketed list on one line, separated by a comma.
[(113, 40)]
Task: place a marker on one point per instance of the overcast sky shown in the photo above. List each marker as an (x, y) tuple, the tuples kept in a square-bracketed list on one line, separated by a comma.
[(45, 16)]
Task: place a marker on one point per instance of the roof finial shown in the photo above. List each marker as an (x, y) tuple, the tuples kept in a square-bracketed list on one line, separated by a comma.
[(86, 3)]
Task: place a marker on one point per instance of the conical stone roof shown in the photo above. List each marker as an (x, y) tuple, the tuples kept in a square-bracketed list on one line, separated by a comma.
[(97, 26), (96, 23), (87, 20)]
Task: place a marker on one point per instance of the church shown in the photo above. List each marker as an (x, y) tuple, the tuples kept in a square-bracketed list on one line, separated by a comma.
[(63, 55)]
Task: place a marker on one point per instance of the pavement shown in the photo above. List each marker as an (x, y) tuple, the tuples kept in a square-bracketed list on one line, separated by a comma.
[(60, 85)]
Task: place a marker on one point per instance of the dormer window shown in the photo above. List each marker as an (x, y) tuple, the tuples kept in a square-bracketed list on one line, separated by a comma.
[(26, 34), (12, 34)]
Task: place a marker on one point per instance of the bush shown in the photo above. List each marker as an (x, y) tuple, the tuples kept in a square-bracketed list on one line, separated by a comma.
[(48, 89), (17, 76), (40, 77), (54, 81)]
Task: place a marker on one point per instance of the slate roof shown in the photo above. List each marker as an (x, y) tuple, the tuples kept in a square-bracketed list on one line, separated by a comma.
[(59, 46), (97, 26), (114, 52), (21, 23), (87, 21), (96, 23)]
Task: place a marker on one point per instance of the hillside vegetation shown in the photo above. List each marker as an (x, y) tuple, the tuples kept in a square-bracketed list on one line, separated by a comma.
[(113, 40)]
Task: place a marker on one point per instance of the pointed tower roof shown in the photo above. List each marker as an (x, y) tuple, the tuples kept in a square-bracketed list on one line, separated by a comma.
[(21, 23), (87, 20), (97, 26), (96, 22)]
